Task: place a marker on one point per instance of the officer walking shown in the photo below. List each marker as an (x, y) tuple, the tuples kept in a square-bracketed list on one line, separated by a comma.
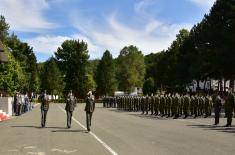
[(217, 107), (44, 107), (89, 108), (229, 103), (70, 106)]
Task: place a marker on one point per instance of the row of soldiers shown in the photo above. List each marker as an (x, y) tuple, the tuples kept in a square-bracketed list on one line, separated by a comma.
[(169, 105), (109, 102), (178, 105)]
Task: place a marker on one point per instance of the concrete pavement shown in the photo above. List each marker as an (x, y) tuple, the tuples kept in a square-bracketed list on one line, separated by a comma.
[(113, 132)]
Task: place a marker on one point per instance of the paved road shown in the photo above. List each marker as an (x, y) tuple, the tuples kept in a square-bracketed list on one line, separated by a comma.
[(113, 132)]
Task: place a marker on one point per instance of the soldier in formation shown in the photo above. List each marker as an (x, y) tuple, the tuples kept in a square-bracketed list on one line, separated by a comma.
[(176, 105), (109, 102), (164, 105)]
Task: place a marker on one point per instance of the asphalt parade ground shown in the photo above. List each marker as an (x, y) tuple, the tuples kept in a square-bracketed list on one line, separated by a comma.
[(113, 132)]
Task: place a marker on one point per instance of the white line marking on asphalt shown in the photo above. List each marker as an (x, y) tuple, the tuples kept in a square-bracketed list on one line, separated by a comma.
[(29, 147), (37, 153), (63, 151), (91, 133)]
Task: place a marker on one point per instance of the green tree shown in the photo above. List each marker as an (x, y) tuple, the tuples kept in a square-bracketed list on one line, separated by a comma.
[(24, 54), (105, 75), (148, 87), (51, 77), (4, 27), (11, 75), (72, 57), (131, 68)]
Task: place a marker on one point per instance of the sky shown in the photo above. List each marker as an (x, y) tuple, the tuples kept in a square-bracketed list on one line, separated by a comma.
[(151, 25)]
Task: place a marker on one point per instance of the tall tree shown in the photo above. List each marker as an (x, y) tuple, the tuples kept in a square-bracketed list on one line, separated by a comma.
[(51, 77), (4, 27), (73, 59), (11, 75), (131, 68), (24, 54), (148, 87), (105, 75)]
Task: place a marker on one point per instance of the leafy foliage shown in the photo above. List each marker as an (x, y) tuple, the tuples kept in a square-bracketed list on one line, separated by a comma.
[(51, 78), (11, 75), (131, 68), (105, 75), (72, 57)]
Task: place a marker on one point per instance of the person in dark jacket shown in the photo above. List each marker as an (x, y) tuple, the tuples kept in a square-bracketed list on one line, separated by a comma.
[(70, 106), (89, 108), (217, 107), (229, 104), (44, 107)]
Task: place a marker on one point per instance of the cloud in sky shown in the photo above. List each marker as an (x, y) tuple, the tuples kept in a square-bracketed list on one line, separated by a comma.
[(26, 15), (45, 24), (47, 44), (204, 3)]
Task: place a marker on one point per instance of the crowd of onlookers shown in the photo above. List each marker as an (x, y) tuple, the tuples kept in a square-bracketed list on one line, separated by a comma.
[(22, 103)]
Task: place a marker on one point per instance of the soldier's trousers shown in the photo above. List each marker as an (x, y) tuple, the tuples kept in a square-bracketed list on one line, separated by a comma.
[(229, 118), (18, 109), (88, 120), (43, 117), (69, 118), (217, 116)]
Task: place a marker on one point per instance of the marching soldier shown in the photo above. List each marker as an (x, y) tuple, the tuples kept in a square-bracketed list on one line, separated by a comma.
[(217, 107), (70, 106), (229, 104), (44, 107), (89, 108)]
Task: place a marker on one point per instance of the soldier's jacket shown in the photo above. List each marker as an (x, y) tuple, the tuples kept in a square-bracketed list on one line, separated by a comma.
[(229, 103), (187, 101), (70, 103), (217, 104), (90, 104), (207, 102), (45, 101)]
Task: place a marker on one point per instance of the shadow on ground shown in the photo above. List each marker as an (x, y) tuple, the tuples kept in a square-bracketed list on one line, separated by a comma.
[(68, 130), (149, 116), (215, 128), (37, 127)]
